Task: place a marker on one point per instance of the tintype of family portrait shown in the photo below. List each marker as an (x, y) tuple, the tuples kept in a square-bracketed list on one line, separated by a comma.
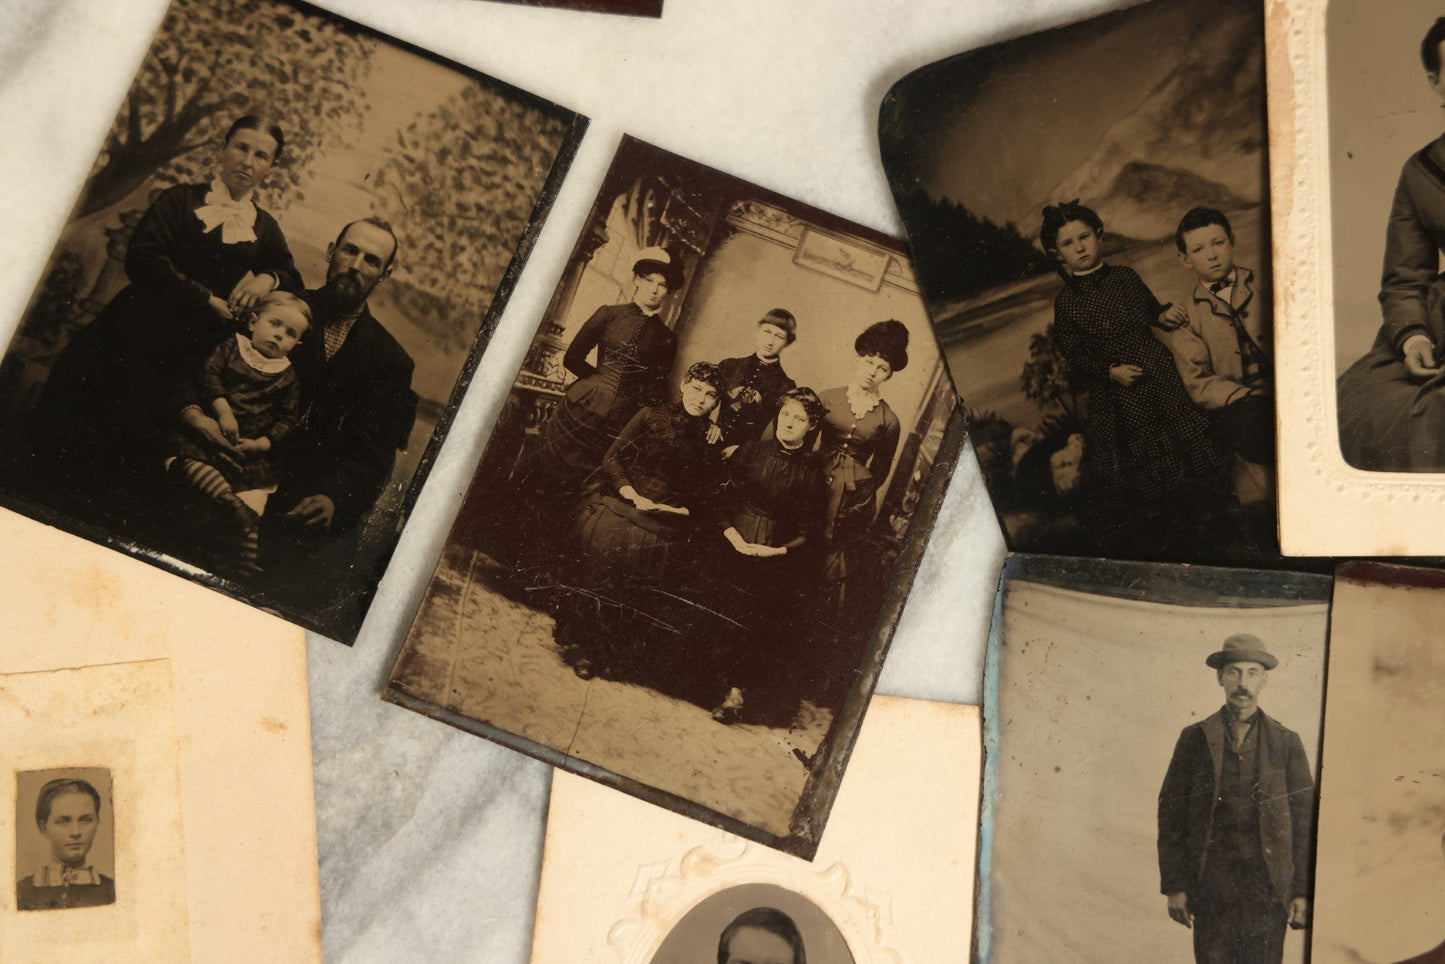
[(255, 328), (1153, 737), (698, 515), (1380, 879), (65, 839), (1088, 212)]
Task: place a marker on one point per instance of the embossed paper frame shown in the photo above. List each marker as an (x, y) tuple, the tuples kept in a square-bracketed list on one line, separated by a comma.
[(1326, 506), (893, 874)]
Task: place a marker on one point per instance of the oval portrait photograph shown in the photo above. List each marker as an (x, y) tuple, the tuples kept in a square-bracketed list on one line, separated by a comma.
[(755, 924)]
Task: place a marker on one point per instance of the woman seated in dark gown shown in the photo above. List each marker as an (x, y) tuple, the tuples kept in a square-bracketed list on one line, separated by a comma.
[(1391, 407), (634, 534), (197, 262), (774, 507)]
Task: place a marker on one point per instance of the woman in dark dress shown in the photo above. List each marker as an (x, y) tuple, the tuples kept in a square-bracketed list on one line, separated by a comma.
[(635, 530), (198, 260), (67, 811), (774, 507), (1148, 457), (1390, 404), (635, 351), (860, 436)]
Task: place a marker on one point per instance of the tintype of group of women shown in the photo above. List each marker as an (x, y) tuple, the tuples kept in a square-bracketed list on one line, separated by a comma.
[(704, 531)]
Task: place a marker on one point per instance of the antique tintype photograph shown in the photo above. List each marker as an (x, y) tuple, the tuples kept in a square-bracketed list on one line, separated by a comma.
[(64, 839), (1380, 877), (891, 882), (1088, 214), (1152, 736), (279, 275), (755, 922), (1355, 98), (95, 849), (682, 557)]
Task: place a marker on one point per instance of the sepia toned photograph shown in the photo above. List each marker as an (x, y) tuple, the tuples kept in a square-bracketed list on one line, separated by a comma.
[(65, 836), (1162, 726), (680, 562), (1388, 229), (891, 881), (1355, 97), (1088, 210), (260, 318), (1380, 879), (93, 807), (755, 922)]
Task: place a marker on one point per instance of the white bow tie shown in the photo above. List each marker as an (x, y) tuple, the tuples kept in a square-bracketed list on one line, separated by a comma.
[(236, 219)]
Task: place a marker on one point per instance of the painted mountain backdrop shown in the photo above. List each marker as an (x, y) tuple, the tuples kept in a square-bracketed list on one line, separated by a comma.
[(1197, 138)]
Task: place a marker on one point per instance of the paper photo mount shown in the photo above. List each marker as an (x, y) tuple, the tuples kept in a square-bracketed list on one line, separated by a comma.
[(1326, 506), (896, 889), (119, 717)]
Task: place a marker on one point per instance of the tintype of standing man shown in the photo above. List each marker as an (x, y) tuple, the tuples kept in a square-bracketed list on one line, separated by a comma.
[(1234, 820)]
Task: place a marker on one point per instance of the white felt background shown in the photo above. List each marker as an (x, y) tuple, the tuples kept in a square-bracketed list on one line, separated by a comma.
[(431, 839)]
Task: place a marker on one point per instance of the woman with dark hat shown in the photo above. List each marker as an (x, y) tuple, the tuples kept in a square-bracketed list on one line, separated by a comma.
[(755, 383), (859, 440), (634, 354)]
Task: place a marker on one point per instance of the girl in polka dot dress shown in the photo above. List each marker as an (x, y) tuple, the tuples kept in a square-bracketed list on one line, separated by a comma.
[(1149, 461)]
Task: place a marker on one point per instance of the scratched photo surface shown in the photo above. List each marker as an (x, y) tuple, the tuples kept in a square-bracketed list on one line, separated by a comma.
[(1380, 882), (681, 559), (1101, 719), (1119, 405), (257, 324)]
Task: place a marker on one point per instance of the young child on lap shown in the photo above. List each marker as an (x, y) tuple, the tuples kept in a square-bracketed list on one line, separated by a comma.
[(249, 395)]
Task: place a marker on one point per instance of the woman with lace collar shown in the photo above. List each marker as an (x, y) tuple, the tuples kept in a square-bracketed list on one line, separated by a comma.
[(860, 435)]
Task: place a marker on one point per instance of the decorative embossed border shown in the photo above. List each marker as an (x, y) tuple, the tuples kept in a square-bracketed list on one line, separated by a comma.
[(663, 892), (1326, 507)]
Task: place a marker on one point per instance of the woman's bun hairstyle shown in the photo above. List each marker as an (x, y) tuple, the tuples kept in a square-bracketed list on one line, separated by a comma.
[(886, 339)]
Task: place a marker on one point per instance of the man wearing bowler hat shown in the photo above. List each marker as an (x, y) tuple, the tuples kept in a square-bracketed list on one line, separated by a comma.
[(1234, 820)]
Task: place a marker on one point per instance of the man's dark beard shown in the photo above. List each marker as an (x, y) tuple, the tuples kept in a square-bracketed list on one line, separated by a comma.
[(344, 292)]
